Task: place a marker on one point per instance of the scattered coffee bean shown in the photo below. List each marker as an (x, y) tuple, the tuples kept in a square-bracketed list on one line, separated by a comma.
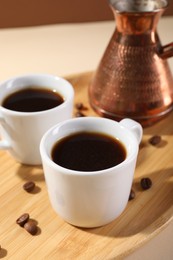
[(146, 183), (31, 227), (132, 195), (79, 114), (80, 106), (28, 224), (155, 140), (22, 219), (29, 186)]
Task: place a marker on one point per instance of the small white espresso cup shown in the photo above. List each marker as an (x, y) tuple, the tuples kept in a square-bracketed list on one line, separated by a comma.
[(21, 132), (93, 198)]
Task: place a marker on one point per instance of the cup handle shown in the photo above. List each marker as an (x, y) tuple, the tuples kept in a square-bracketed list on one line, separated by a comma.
[(134, 127), (4, 144)]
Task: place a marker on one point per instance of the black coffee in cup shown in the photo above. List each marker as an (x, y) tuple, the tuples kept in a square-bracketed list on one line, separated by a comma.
[(88, 151), (32, 99)]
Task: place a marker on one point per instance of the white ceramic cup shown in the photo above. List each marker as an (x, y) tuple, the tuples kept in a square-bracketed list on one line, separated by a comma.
[(91, 199), (21, 132)]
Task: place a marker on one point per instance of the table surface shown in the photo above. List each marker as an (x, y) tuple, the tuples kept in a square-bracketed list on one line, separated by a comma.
[(63, 50)]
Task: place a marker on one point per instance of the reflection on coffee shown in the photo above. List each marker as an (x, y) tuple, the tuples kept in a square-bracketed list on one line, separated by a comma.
[(88, 151), (33, 99)]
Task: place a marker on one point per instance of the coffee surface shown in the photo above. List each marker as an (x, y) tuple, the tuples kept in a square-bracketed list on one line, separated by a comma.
[(87, 151), (32, 99)]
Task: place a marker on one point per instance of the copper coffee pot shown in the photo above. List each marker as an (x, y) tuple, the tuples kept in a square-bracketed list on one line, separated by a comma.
[(133, 78)]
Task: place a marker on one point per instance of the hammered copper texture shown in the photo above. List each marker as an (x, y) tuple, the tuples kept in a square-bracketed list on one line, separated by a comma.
[(133, 78)]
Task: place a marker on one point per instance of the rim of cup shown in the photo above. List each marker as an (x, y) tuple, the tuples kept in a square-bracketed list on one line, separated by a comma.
[(31, 81), (46, 146)]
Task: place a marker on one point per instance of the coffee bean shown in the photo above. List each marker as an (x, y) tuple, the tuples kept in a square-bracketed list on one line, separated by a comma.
[(22, 219), (146, 183), (31, 227), (79, 114), (155, 140), (132, 195), (29, 186), (80, 106)]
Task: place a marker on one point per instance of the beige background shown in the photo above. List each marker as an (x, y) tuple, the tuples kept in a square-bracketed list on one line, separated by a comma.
[(16, 13)]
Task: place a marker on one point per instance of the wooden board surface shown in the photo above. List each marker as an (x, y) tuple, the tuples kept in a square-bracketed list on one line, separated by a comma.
[(145, 216)]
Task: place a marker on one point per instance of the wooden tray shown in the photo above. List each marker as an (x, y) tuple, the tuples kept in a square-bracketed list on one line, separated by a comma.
[(144, 217)]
